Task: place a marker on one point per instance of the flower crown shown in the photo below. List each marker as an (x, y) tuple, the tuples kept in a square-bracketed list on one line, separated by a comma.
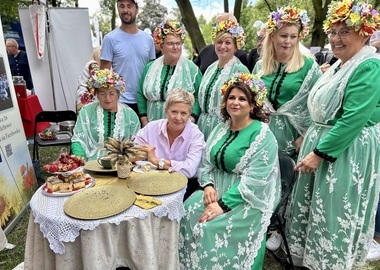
[(360, 16), (167, 27), (288, 15), (233, 28), (253, 81), (104, 78)]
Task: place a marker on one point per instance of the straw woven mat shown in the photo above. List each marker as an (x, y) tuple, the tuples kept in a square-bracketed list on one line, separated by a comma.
[(99, 202), (94, 166), (157, 182)]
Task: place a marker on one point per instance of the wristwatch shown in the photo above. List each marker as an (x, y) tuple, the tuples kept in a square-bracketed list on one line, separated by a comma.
[(161, 164)]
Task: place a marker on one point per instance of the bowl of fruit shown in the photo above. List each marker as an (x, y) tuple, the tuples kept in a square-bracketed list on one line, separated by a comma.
[(48, 134), (66, 164)]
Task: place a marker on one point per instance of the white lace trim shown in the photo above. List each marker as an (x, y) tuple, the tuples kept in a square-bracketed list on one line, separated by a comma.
[(327, 94), (58, 228), (296, 109)]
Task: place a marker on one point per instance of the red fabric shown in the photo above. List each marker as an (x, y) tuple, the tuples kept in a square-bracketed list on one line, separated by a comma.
[(29, 107)]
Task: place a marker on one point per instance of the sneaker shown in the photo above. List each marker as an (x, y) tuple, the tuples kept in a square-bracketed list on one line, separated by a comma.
[(373, 251), (274, 241)]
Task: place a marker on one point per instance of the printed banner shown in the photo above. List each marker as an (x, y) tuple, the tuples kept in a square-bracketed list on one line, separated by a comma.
[(17, 178)]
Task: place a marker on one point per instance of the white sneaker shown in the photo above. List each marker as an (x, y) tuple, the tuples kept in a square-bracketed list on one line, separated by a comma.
[(373, 251), (274, 241)]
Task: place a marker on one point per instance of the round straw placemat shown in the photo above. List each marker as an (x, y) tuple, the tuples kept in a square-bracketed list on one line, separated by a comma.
[(157, 182), (99, 202), (94, 166)]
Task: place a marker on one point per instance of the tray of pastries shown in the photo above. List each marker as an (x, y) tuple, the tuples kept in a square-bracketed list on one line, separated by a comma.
[(59, 185)]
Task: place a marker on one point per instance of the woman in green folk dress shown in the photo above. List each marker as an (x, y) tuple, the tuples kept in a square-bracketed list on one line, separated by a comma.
[(103, 118), (168, 72), (333, 205), (225, 223), (288, 75), (228, 37)]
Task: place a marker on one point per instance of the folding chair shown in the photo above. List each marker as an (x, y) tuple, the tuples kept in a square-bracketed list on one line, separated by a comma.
[(288, 179), (52, 117)]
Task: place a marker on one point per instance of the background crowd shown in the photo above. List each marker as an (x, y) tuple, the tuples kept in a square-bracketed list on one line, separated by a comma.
[(322, 111)]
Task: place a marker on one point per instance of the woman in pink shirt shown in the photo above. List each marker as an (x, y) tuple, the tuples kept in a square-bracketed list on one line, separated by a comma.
[(175, 143)]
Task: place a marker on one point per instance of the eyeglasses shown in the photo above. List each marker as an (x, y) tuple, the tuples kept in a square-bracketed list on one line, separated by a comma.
[(104, 95), (341, 34), (172, 44)]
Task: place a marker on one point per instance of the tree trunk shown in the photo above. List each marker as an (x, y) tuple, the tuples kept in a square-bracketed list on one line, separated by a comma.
[(226, 6), (237, 9), (268, 5), (113, 19), (318, 37), (191, 24)]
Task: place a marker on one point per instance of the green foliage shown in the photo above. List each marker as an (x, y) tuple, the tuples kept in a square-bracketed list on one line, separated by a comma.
[(9, 10), (247, 19), (151, 15)]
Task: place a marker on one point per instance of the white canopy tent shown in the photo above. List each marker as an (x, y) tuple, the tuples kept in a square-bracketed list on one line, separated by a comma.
[(68, 47)]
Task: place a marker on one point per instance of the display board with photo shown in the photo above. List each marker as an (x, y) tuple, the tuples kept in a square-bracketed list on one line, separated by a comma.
[(5, 95)]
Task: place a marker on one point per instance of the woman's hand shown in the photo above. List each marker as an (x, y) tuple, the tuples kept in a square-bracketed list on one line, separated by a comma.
[(324, 67), (298, 143), (144, 121), (212, 211), (209, 195), (150, 152), (309, 164)]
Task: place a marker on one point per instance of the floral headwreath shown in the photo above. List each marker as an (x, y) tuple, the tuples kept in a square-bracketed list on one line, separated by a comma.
[(360, 16), (167, 27), (253, 81), (104, 78), (231, 27), (288, 15)]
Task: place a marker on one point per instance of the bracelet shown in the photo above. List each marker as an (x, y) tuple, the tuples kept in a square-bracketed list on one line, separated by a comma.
[(323, 155), (224, 207), (208, 185)]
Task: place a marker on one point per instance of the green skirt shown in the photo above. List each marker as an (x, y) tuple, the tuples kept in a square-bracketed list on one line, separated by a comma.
[(331, 212)]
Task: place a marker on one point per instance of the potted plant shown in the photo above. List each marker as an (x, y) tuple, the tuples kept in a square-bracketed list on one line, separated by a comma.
[(123, 153)]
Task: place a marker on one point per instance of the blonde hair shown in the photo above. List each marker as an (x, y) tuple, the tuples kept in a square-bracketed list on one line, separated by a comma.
[(96, 54), (223, 35), (269, 63), (179, 96)]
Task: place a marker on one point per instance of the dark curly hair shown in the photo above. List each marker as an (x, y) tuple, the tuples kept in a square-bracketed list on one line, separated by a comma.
[(257, 113)]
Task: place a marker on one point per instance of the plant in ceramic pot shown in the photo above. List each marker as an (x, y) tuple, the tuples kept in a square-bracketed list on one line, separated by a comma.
[(123, 153)]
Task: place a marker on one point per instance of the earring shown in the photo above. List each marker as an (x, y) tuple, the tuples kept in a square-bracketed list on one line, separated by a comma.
[(251, 111)]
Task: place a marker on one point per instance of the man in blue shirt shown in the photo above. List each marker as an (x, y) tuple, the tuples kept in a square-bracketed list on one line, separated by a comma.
[(127, 50)]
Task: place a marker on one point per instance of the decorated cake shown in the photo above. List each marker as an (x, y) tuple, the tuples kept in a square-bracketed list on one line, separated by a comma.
[(59, 183)]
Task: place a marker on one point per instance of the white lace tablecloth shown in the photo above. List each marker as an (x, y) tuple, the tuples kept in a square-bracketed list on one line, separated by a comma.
[(58, 228)]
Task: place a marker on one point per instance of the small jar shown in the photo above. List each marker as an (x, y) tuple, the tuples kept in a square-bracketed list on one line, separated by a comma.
[(20, 86)]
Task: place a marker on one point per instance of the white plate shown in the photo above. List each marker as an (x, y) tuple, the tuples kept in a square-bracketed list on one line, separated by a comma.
[(68, 173), (140, 163), (61, 194)]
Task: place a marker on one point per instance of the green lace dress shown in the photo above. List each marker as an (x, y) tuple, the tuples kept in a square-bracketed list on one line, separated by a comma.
[(210, 95), (331, 213), (243, 167), (287, 102), (158, 79), (94, 125)]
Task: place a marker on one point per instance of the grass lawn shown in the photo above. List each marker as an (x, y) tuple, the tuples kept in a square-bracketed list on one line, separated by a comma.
[(11, 258)]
